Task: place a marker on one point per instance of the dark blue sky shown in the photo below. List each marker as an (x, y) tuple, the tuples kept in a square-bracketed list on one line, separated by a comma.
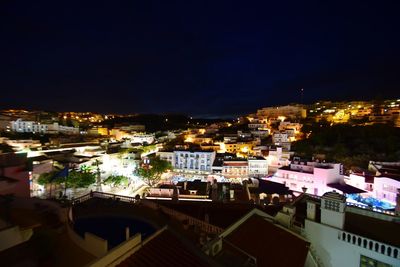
[(195, 57)]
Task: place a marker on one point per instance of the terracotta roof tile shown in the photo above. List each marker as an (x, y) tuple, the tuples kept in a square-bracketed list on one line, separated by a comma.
[(269, 244), (164, 250)]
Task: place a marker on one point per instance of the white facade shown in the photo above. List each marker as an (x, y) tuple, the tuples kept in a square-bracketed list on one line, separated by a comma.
[(380, 187), (311, 175), (258, 167), (278, 158), (258, 126), (21, 126), (359, 181), (168, 156), (286, 111), (287, 125), (68, 130), (279, 138), (198, 161), (235, 169), (385, 188), (331, 246), (260, 133), (143, 138)]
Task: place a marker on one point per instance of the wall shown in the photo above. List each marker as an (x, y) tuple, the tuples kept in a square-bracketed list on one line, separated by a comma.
[(119, 253), (19, 173), (385, 189), (204, 226), (93, 244), (333, 251), (13, 236)]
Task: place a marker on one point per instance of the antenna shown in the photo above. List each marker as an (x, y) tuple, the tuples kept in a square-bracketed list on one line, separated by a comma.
[(301, 95)]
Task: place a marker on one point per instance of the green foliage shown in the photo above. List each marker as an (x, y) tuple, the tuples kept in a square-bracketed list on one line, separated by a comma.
[(152, 173), (149, 148), (352, 145), (85, 168), (5, 148), (48, 178), (77, 179), (117, 180)]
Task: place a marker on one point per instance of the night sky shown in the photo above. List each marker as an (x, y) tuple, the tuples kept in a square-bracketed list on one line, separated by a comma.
[(195, 57)]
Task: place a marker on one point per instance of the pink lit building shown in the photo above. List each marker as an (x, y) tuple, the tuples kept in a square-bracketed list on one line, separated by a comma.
[(313, 177), (382, 187)]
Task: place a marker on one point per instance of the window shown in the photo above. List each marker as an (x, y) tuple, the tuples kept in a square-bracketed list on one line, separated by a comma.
[(369, 262)]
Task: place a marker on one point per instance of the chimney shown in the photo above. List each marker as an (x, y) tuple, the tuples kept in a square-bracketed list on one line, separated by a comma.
[(127, 233)]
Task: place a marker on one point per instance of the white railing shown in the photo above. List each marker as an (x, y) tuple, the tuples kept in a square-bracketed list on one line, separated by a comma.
[(370, 244)]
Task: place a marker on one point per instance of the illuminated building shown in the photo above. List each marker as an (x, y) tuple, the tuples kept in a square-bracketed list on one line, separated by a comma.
[(257, 167), (98, 131), (166, 155), (283, 139), (287, 125), (21, 126), (235, 169), (289, 111), (344, 235), (143, 138), (313, 176), (381, 184), (194, 161), (242, 149), (278, 158)]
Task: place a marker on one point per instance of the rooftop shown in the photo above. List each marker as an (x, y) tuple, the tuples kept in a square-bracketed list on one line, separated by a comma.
[(219, 214), (345, 188), (269, 244), (166, 250)]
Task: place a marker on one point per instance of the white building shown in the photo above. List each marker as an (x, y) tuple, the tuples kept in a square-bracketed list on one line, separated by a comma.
[(282, 111), (143, 138), (260, 133), (167, 155), (342, 236), (258, 126), (385, 188), (283, 139), (278, 158), (194, 161), (279, 138), (67, 130), (362, 181), (313, 176), (287, 125), (258, 167), (21, 126), (235, 169)]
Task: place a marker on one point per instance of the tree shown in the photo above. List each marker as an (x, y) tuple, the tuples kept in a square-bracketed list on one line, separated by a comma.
[(47, 179), (77, 179), (152, 172), (117, 180)]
